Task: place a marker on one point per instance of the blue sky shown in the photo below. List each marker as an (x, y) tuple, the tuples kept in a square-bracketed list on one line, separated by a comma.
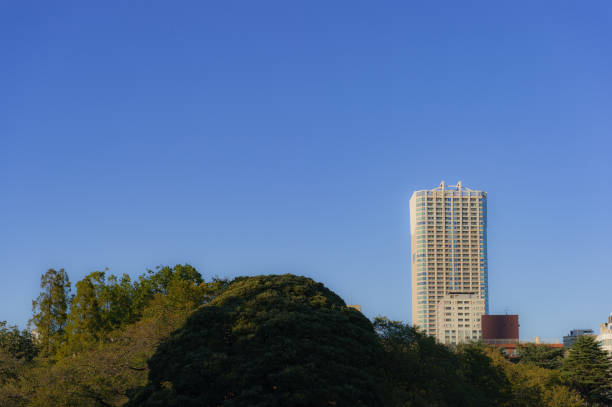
[(272, 137)]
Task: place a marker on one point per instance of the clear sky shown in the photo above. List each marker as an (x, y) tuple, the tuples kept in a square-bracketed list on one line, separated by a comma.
[(268, 137)]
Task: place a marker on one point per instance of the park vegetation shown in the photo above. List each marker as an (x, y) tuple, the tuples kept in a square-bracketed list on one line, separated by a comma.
[(171, 338)]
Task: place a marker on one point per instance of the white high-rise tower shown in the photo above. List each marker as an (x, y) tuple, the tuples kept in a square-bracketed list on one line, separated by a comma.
[(448, 229)]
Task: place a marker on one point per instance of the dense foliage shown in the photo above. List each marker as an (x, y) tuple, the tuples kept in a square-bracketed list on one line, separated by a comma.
[(542, 356), (588, 370), (18, 344), (171, 338), (109, 331), (532, 386), (268, 341), (421, 372)]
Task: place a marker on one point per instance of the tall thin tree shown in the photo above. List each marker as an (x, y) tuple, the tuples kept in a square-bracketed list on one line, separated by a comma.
[(50, 309)]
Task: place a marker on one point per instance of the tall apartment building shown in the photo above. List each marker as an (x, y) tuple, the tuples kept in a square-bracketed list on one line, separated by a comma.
[(448, 228)]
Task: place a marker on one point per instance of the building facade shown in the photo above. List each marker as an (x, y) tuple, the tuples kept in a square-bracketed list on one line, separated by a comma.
[(570, 340), (605, 336), (458, 318), (448, 229), (500, 329)]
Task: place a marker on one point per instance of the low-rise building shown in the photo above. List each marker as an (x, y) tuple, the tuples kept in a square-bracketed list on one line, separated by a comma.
[(513, 349), (458, 318), (500, 329), (570, 340)]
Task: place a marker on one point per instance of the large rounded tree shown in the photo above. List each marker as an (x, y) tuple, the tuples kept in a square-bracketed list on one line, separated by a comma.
[(279, 340)]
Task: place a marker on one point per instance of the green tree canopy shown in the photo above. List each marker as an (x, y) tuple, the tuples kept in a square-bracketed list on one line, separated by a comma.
[(278, 340), (533, 386), (541, 356), (85, 321), (104, 303), (588, 370), (422, 373), (109, 338), (51, 309), (16, 343)]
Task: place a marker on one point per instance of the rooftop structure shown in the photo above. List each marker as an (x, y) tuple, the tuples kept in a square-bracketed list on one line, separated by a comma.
[(570, 340)]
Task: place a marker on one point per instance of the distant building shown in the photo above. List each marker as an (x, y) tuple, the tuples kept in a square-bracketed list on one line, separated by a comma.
[(605, 336), (448, 232), (573, 336), (356, 307), (458, 318), (500, 329)]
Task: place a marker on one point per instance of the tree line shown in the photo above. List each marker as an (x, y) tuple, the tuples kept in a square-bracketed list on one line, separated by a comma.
[(65, 323), (169, 337)]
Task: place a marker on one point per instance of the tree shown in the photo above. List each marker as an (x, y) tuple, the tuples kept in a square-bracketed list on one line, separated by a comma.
[(533, 386), (103, 370), (491, 386), (116, 302), (272, 340), (16, 343), (102, 375), (588, 370), (85, 321), (181, 285), (421, 372), (541, 355), (418, 371), (103, 304), (162, 279), (50, 309)]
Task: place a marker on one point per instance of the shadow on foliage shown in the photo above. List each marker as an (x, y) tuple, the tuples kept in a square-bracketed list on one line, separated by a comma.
[(268, 341)]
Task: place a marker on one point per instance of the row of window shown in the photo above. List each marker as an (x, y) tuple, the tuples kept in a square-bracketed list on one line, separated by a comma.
[(450, 192), (454, 260), (450, 250), (448, 243), (453, 201), (459, 221), (442, 274), (441, 279), (450, 286), (446, 200), (450, 260), (429, 198), (449, 239), (442, 270), (422, 207), (474, 233)]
